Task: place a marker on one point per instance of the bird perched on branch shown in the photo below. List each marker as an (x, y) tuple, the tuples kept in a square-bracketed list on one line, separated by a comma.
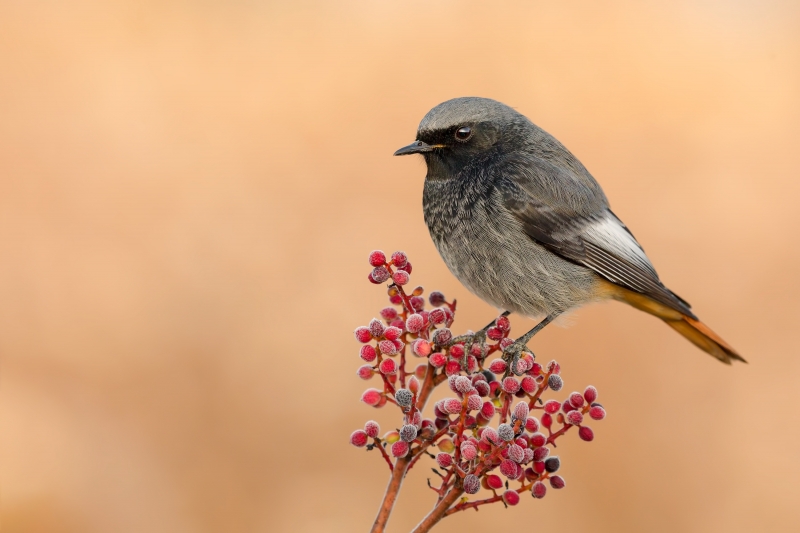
[(524, 226)]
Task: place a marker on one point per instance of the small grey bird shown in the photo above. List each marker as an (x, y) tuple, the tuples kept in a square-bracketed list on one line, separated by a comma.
[(524, 226)]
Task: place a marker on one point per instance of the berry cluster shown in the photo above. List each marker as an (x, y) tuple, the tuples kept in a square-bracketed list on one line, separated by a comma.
[(472, 455)]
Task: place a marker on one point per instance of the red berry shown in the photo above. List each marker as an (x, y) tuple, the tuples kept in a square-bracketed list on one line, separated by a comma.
[(414, 323), (538, 467), (547, 420), (487, 409), (377, 258), (490, 435), (400, 277), (520, 412), (358, 438), (472, 484), (396, 299), (406, 267), (494, 333), (468, 451), (532, 424), (516, 453), (505, 343), (536, 369), (529, 384), (552, 406), (417, 303), (586, 433), (508, 468), (372, 429), (389, 313), (392, 333), (511, 497), (452, 406), (388, 367), (541, 453), (452, 368), (557, 482), (510, 385), (437, 359), (474, 402), (399, 259), (444, 459), (590, 394), (597, 413), (368, 353), (387, 347), (538, 439), (503, 323), (498, 366), (462, 384), (553, 367), (441, 336), (400, 448), (494, 482), (539, 490), (555, 382), (379, 275), (483, 388), (575, 418), (576, 400), (362, 334), (457, 351), (372, 397), (437, 316), (365, 372)]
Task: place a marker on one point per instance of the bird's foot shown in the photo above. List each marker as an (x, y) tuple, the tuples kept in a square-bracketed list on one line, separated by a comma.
[(511, 355), (471, 341)]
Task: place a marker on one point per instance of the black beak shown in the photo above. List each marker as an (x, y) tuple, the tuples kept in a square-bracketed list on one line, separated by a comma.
[(417, 147)]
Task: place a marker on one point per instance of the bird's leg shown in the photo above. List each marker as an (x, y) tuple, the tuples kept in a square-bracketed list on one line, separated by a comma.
[(512, 353), (478, 337)]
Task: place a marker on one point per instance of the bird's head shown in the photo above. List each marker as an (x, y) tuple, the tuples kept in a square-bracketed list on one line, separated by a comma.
[(457, 132)]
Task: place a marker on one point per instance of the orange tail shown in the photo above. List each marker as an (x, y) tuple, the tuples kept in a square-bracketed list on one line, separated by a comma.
[(698, 333)]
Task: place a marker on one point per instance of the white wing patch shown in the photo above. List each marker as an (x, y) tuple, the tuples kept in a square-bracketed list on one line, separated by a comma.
[(611, 235)]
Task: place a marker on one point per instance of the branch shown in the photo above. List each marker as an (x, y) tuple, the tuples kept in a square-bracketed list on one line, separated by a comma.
[(439, 511)]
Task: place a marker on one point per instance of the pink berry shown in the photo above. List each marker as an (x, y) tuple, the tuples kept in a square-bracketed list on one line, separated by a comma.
[(586, 433), (438, 316), (387, 347), (413, 384), (463, 384), (538, 440), (444, 459), (508, 468), (368, 353), (468, 451), (576, 400), (490, 435), (401, 277), (399, 259), (528, 455), (474, 402), (365, 372), (372, 397), (377, 258), (362, 334), (529, 384), (575, 418), (498, 366), (538, 467), (553, 367), (376, 328), (539, 490), (510, 385), (421, 371), (590, 394), (505, 343), (421, 348), (566, 406), (557, 482), (483, 388), (358, 438), (388, 367), (597, 413), (541, 453), (487, 409), (372, 429), (552, 406), (516, 453), (472, 484), (400, 448), (396, 299), (521, 411), (452, 406), (511, 497), (392, 333), (379, 275), (414, 323), (437, 360), (389, 313), (532, 424), (417, 303)]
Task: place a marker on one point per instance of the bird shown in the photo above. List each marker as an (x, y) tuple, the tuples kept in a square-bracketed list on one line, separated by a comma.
[(522, 224)]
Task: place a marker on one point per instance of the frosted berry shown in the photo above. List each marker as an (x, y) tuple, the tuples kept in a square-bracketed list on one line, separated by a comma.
[(468, 451), (532, 424), (521, 411), (358, 438), (538, 490), (510, 385), (557, 482), (487, 409), (368, 353), (399, 259), (552, 464), (387, 347), (372, 429), (494, 333), (415, 323), (444, 459), (508, 468), (555, 382), (483, 388), (452, 368), (552, 406), (576, 400), (442, 336), (597, 413), (575, 418), (437, 360), (376, 328), (436, 298), (403, 397), (392, 333), (541, 453), (590, 394), (437, 316), (498, 366), (452, 406), (401, 277), (408, 433), (511, 497), (417, 303), (506, 432), (389, 313), (377, 258), (472, 484), (538, 439), (586, 433), (365, 372), (474, 402), (388, 367), (516, 453), (490, 435), (463, 384), (421, 348), (528, 384), (457, 351), (553, 367), (379, 275), (362, 334), (400, 448), (372, 397)]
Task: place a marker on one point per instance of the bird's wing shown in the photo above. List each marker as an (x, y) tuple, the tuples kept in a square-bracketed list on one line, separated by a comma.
[(569, 215)]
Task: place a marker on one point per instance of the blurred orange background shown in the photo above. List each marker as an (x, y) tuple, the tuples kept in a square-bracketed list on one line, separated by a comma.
[(190, 190)]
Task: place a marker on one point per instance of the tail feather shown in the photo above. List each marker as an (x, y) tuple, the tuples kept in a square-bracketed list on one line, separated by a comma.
[(695, 331)]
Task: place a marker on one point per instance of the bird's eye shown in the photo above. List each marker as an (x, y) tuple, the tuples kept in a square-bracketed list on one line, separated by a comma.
[(463, 134)]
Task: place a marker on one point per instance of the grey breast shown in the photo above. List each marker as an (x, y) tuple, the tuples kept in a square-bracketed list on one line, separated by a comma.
[(485, 247)]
